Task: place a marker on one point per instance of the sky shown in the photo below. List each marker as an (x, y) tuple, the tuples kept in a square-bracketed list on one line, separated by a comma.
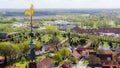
[(64, 4)]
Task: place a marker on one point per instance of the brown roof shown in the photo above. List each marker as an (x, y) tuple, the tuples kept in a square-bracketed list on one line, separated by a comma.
[(104, 56), (85, 48), (79, 50), (66, 65), (75, 54), (45, 63), (52, 48), (107, 51), (13, 67), (2, 58)]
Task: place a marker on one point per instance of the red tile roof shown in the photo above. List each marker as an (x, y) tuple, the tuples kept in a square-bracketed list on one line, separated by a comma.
[(66, 65), (2, 58), (13, 67), (45, 63)]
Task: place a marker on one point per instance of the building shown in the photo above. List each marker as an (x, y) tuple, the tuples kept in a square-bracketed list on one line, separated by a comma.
[(63, 24), (66, 65), (102, 31), (1, 59), (46, 63), (3, 35)]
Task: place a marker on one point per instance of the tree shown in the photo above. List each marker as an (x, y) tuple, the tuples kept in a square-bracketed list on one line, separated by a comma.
[(54, 41), (24, 47), (64, 52), (8, 50), (51, 29), (57, 58), (95, 61), (23, 59), (82, 41), (37, 45), (73, 60), (14, 19)]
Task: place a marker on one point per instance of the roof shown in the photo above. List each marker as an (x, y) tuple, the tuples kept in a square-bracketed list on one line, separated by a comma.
[(45, 63), (104, 51), (13, 67), (3, 35), (66, 65), (83, 49), (100, 30), (52, 48), (75, 54), (2, 58), (104, 56)]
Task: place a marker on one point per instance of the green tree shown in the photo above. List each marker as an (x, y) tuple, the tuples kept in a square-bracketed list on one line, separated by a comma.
[(23, 59), (57, 58), (73, 60), (24, 47), (37, 45), (64, 52), (54, 41), (8, 50), (95, 61), (14, 19), (51, 29)]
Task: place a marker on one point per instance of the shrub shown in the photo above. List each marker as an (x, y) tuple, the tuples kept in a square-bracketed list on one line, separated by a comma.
[(73, 60), (23, 59)]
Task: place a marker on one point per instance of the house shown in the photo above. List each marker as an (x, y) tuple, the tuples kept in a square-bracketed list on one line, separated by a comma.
[(46, 63), (108, 31), (66, 65), (80, 50), (1, 59), (18, 25), (52, 48), (108, 58), (13, 67), (116, 49), (118, 58), (3, 35), (44, 48)]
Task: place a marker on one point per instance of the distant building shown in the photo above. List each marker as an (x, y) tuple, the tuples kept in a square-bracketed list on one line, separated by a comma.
[(101, 31), (3, 35), (18, 25), (63, 24)]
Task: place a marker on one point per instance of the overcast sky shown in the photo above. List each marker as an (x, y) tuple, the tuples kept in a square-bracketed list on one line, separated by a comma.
[(43, 4)]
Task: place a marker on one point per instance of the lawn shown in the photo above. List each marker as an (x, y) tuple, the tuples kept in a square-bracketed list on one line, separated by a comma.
[(85, 62), (38, 58), (105, 43), (22, 65)]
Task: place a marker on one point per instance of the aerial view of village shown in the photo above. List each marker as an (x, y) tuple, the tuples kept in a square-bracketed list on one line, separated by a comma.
[(59, 34)]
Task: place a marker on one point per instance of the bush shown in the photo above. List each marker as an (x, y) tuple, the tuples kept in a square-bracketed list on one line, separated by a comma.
[(73, 60), (23, 59)]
